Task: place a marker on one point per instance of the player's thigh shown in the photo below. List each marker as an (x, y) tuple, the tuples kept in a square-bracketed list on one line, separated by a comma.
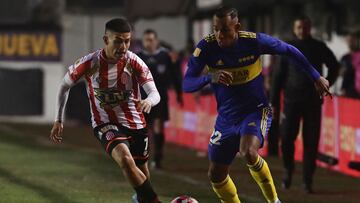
[(110, 135), (249, 146), (139, 146), (254, 128), (223, 144), (122, 155)]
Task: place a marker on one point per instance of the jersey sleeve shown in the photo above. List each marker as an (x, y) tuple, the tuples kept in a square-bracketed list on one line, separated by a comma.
[(270, 45), (331, 63), (193, 79), (141, 70), (79, 68)]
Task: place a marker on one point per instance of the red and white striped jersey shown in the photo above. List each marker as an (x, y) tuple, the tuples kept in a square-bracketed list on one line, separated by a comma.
[(113, 89)]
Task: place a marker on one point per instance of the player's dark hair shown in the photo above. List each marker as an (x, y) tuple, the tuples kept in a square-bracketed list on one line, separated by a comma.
[(120, 25), (224, 11), (303, 18), (150, 31)]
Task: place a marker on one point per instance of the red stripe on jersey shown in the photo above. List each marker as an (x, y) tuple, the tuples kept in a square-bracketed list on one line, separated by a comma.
[(142, 72), (94, 110), (124, 106), (104, 84), (80, 70), (136, 95)]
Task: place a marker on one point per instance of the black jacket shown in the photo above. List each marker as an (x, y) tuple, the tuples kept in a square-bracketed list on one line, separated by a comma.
[(164, 72), (348, 83), (297, 86)]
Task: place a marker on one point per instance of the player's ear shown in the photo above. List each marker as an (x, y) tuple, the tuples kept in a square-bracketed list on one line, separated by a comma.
[(106, 39)]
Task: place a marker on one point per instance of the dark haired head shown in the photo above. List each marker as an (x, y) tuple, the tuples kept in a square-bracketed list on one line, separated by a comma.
[(150, 31), (302, 27), (224, 11), (120, 25), (303, 18)]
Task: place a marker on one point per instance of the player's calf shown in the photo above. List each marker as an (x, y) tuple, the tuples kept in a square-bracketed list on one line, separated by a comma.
[(222, 184), (258, 167), (145, 193), (121, 154)]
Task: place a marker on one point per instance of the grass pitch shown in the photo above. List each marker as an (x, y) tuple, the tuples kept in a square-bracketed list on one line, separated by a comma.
[(34, 170)]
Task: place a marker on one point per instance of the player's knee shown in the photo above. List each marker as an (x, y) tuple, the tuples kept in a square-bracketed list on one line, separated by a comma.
[(216, 176), (126, 161), (249, 154)]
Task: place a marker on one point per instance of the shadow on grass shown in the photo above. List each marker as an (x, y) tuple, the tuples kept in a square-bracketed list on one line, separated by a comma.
[(45, 192)]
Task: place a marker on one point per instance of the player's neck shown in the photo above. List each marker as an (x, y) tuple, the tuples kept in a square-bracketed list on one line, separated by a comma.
[(151, 51)]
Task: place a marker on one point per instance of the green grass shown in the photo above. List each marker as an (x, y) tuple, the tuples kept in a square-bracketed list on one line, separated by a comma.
[(32, 169)]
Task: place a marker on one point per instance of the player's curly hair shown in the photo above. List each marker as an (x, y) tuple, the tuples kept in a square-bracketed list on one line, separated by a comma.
[(226, 11), (120, 25)]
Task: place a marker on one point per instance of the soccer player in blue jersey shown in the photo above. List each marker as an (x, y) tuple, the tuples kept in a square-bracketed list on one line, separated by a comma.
[(233, 59)]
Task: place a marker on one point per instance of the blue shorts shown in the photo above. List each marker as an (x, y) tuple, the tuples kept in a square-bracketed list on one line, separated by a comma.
[(225, 140)]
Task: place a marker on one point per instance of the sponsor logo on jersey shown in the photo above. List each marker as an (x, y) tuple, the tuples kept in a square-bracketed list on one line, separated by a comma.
[(111, 98)]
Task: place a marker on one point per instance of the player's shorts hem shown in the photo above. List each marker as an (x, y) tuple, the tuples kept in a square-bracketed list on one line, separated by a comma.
[(114, 142), (140, 160)]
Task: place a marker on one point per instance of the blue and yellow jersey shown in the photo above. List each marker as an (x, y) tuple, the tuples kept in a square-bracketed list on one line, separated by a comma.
[(246, 93)]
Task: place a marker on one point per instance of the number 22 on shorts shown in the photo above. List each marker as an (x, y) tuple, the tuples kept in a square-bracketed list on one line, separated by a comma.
[(215, 138)]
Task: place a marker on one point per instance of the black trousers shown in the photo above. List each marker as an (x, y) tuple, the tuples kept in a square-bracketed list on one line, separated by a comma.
[(273, 138), (310, 113)]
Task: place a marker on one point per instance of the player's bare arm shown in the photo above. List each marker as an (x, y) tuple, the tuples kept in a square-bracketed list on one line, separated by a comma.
[(57, 129)]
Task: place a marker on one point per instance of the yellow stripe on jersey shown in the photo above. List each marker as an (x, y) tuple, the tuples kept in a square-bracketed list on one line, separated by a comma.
[(242, 74), (244, 34), (197, 52)]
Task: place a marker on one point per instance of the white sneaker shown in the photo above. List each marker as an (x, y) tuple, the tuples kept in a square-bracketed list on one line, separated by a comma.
[(276, 201)]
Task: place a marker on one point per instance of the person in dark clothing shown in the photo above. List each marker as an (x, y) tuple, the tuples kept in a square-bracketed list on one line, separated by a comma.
[(165, 75), (301, 100), (350, 64)]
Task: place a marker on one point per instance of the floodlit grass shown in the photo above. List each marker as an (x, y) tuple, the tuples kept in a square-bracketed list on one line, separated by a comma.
[(32, 169)]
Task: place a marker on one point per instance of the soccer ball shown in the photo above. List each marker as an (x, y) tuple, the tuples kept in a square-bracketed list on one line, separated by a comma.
[(184, 199)]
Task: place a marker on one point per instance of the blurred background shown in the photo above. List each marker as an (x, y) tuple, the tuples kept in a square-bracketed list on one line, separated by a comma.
[(39, 39), (47, 36)]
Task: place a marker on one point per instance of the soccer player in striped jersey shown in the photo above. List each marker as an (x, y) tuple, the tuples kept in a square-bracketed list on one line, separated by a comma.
[(233, 58), (113, 77)]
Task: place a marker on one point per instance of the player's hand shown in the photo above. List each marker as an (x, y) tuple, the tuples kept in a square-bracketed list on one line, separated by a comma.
[(322, 87), (56, 132), (222, 77), (145, 106)]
